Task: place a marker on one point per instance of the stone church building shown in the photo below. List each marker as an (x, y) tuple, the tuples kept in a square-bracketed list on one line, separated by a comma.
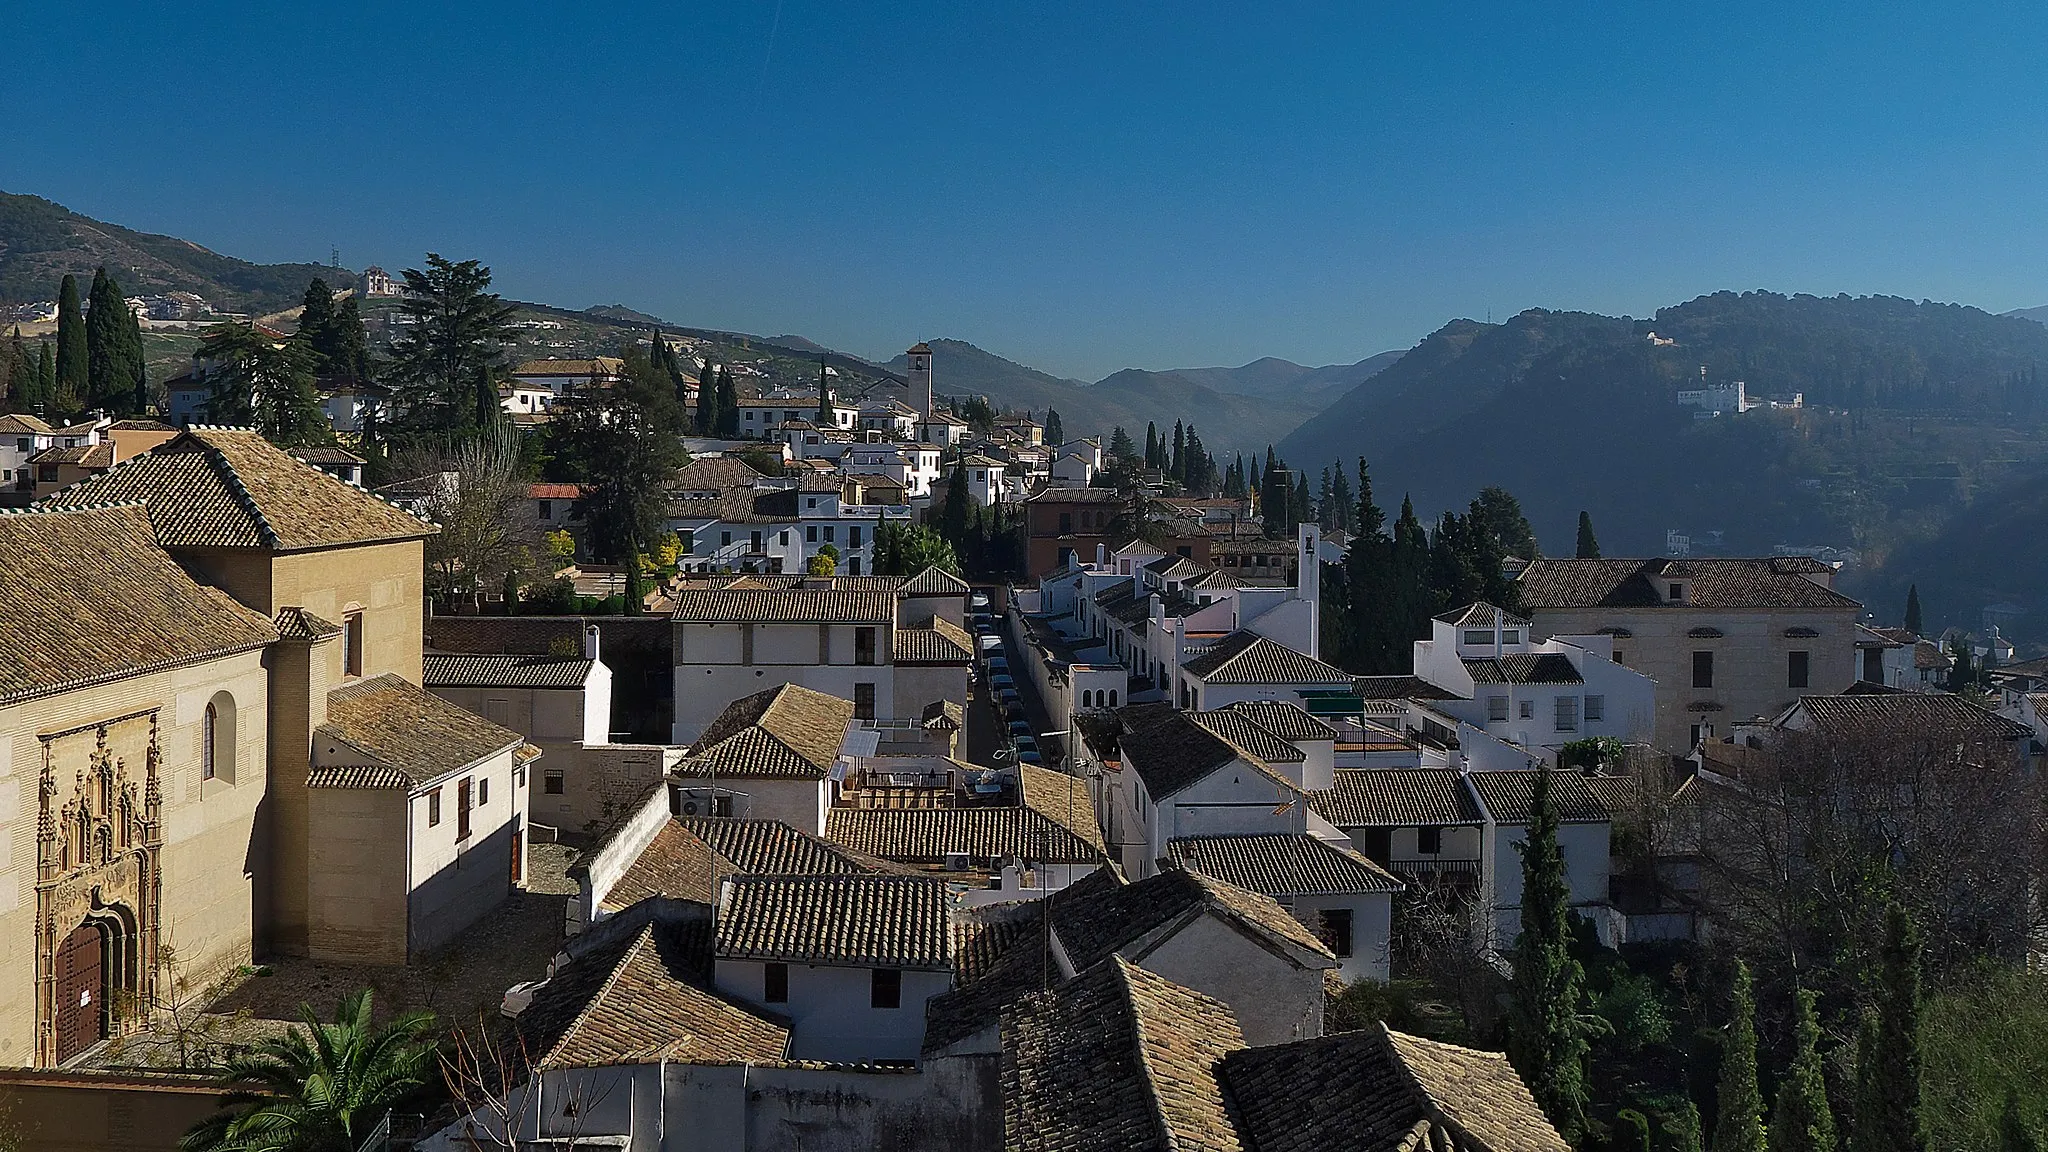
[(213, 742)]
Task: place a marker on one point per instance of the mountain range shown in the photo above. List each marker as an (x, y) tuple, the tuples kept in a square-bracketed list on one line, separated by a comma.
[(1921, 440)]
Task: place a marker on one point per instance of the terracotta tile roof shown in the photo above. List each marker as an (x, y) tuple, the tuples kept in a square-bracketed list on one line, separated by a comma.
[(690, 855), (1506, 794), (1000, 955), (1281, 864), (387, 721), (357, 776), (854, 921), (738, 506), (1396, 798), (640, 1000), (1099, 914), (1919, 713), (15, 423), (1380, 1089), (1482, 615), (86, 596), (84, 455), (1282, 719), (1061, 798), (294, 623), (479, 670), (1929, 657), (943, 716), (934, 582), (785, 731), (1248, 658), (1524, 668), (231, 488), (554, 491), (1077, 496), (935, 641), (930, 835), (317, 455), (595, 366), (1117, 1058), (785, 606), (1248, 736), (1772, 582)]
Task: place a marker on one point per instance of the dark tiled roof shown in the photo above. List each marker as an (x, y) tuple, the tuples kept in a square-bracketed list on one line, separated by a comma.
[(1399, 688), (1524, 668), (1171, 752), (999, 955), (1919, 713), (87, 596), (318, 455), (395, 724), (737, 506), (943, 716), (231, 488), (1482, 615), (1281, 864), (473, 670), (859, 921), (1774, 582), (1506, 793), (1077, 496), (934, 582), (1282, 719), (1248, 658), (1246, 735), (1396, 798), (643, 999), (1117, 1058), (1379, 1089), (1099, 915), (785, 606), (785, 731), (937, 641), (929, 835)]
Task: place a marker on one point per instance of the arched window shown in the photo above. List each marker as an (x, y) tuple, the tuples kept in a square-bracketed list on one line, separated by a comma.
[(209, 731), (1112, 697), (1087, 699), (217, 739)]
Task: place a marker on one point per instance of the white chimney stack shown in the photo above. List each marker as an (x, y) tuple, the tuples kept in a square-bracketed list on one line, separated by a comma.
[(590, 641)]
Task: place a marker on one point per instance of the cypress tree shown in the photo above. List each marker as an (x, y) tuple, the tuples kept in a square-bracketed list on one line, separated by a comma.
[(486, 408), (24, 380), (636, 587), (824, 396), (1867, 1114), (707, 399), (349, 354), (46, 378), (1913, 609), (317, 323), (1888, 1064), (1546, 1043), (728, 405), (1151, 444), (1801, 1120), (72, 354), (136, 359), (1739, 1105), (1589, 547), (1054, 433), (1177, 464), (109, 384), (2013, 1133)]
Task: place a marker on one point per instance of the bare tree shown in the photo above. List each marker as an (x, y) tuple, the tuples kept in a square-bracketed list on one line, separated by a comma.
[(496, 1087), (475, 493), (1803, 842)]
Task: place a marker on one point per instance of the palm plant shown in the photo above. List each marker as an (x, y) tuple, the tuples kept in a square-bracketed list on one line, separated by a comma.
[(321, 1087)]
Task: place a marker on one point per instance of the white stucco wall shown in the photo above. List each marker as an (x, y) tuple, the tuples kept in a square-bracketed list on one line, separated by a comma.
[(830, 1012)]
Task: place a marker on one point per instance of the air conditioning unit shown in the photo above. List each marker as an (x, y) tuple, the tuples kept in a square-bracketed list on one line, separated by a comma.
[(957, 861)]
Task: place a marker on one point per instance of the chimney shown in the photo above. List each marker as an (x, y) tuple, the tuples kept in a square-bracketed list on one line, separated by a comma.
[(1101, 555), (1308, 573), (590, 641)]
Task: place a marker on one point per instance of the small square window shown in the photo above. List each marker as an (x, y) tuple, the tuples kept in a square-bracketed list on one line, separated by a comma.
[(1528, 709), (885, 988), (551, 781), (1429, 841), (775, 983), (434, 808), (1596, 708)]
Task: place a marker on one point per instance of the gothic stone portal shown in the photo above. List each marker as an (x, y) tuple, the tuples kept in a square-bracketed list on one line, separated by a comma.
[(99, 838)]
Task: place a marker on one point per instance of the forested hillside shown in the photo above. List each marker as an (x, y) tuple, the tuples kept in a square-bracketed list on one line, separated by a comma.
[(41, 242), (1912, 410)]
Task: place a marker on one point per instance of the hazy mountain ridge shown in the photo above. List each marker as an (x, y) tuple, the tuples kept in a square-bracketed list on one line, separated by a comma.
[(42, 241)]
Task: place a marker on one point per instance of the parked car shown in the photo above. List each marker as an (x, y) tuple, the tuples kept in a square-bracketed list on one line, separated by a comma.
[(1019, 728), (1024, 744), (1013, 711), (989, 644), (1008, 694), (998, 664), (978, 601), (1029, 756), (1001, 680)]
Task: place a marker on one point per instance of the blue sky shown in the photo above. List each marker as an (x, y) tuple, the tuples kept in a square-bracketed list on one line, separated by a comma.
[(1081, 186)]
